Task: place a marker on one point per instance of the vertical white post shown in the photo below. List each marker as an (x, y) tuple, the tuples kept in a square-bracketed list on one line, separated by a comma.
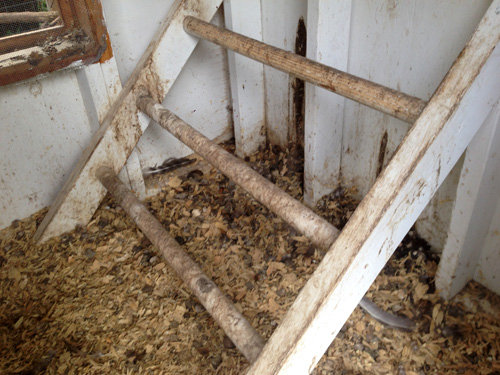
[(328, 29), (489, 262), (279, 26), (246, 78), (474, 209)]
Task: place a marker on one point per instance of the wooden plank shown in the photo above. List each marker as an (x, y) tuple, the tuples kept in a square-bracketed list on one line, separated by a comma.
[(201, 92), (478, 188), (328, 30), (101, 84), (489, 263), (426, 155), (388, 45), (434, 222), (116, 138), (202, 96), (279, 29), (246, 79)]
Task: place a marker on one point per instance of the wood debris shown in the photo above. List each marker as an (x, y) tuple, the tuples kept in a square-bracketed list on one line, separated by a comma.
[(101, 300)]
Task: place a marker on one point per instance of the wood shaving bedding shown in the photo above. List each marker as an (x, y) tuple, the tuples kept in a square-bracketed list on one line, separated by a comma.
[(100, 300)]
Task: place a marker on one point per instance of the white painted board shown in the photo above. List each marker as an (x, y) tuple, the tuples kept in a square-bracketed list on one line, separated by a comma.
[(247, 78), (279, 26), (44, 129), (328, 30), (100, 85), (408, 46), (201, 97), (200, 94), (488, 266), (131, 26), (472, 214)]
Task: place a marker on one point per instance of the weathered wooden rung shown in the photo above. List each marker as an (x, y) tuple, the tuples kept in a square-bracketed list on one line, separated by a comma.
[(384, 99), (234, 324), (319, 231)]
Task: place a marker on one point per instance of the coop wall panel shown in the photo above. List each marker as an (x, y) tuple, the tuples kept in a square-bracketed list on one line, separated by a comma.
[(408, 46), (45, 127), (65, 120), (200, 94)]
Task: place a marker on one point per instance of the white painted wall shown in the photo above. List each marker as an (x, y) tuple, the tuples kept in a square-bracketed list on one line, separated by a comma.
[(47, 123), (247, 78), (44, 128), (486, 271), (474, 222), (329, 25), (405, 45), (408, 46)]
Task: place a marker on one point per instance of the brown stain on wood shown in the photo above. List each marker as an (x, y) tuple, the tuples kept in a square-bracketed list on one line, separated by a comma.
[(298, 87), (108, 51), (47, 59), (381, 153), (296, 125)]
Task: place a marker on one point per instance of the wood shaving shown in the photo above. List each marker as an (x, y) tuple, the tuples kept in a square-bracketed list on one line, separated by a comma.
[(100, 300)]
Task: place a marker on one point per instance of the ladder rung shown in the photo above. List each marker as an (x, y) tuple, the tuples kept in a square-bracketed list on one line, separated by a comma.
[(234, 324), (384, 99), (321, 233)]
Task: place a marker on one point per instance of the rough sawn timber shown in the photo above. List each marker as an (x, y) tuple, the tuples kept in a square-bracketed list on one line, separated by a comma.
[(424, 158), (112, 144)]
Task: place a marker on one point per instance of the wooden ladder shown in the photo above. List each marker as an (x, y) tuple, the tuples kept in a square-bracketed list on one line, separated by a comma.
[(442, 129)]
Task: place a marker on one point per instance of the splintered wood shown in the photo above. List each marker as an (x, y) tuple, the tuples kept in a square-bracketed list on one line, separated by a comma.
[(101, 300)]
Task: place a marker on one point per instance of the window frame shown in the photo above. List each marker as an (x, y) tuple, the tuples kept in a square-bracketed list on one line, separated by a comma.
[(81, 39)]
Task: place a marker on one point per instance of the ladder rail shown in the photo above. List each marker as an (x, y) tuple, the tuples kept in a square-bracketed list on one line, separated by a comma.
[(440, 134), (431, 148), (121, 128)]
